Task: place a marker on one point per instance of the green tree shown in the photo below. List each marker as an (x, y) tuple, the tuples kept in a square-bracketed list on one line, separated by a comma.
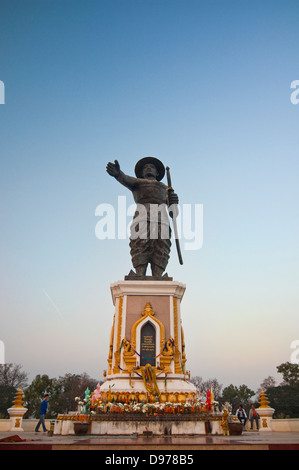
[(267, 383), (285, 400), (237, 396), (62, 393), (12, 377), (34, 394), (290, 373), (66, 389)]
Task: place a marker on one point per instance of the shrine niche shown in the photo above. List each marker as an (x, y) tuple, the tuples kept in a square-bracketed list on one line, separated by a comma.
[(148, 345)]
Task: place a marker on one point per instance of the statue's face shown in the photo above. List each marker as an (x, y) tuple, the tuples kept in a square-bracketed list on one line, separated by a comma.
[(149, 171)]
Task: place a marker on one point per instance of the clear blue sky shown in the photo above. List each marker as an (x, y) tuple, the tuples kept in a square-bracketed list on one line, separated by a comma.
[(205, 87)]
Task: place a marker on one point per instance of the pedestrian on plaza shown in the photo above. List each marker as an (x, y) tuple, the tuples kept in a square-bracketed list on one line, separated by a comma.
[(254, 416), (241, 415), (42, 414)]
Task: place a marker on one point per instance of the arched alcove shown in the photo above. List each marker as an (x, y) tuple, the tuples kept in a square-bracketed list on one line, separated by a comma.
[(148, 344)]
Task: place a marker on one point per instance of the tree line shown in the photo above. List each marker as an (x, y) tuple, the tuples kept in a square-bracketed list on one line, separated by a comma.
[(284, 398), (62, 391)]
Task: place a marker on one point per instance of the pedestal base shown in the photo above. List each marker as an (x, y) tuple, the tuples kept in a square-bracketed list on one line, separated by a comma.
[(265, 418), (16, 418), (147, 348), (173, 389), (126, 425)]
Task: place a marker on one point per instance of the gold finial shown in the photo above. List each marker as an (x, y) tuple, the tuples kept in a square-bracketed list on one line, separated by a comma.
[(18, 402), (263, 401), (148, 310)]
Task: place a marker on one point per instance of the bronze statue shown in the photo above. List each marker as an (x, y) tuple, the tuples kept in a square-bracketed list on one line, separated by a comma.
[(150, 231)]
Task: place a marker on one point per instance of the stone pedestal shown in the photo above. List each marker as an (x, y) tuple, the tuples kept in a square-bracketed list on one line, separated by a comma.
[(16, 418), (265, 412), (16, 412), (265, 418), (147, 331)]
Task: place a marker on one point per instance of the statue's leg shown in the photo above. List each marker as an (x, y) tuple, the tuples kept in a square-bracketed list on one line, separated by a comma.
[(157, 271), (141, 269)]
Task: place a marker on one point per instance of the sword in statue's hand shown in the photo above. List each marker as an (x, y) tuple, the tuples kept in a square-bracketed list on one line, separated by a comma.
[(173, 214)]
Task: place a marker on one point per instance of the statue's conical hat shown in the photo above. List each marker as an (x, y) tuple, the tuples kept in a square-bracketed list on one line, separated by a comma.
[(158, 164)]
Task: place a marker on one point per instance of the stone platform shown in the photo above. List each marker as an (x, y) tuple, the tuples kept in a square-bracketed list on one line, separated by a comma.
[(145, 446), (135, 424)]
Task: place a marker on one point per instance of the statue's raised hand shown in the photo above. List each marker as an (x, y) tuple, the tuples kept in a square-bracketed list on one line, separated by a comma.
[(113, 168)]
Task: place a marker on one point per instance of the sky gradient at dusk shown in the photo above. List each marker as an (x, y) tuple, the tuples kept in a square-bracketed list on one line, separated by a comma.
[(204, 87)]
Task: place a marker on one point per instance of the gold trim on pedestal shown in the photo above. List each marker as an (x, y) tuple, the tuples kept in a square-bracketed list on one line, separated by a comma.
[(148, 312), (167, 357), (126, 349), (18, 402), (110, 356), (184, 360), (263, 401), (129, 355), (177, 365), (119, 322)]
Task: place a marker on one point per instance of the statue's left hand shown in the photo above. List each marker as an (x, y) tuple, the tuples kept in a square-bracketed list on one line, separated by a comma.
[(113, 168)]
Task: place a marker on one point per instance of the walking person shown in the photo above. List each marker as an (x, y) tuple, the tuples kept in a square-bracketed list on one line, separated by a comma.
[(42, 414), (254, 416)]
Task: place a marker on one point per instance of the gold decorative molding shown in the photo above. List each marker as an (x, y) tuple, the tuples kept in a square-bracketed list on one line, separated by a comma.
[(149, 379), (263, 401), (177, 365), (148, 312), (184, 360), (118, 342), (129, 355), (146, 397), (19, 399), (110, 355), (167, 357)]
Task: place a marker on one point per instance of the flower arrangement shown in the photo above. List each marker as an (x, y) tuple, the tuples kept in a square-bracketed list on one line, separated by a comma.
[(154, 408), (93, 404), (82, 418)]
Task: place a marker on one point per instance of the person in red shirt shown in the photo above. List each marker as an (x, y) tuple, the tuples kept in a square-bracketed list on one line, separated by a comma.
[(253, 416)]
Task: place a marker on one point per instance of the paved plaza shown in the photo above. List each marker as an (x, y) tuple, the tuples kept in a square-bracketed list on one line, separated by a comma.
[(247, 441)]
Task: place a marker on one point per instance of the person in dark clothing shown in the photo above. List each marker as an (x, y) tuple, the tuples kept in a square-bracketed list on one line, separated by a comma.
[(43, 411), (241, 415)]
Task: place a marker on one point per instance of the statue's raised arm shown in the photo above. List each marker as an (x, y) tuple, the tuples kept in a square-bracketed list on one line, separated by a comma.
[(113, 169)]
